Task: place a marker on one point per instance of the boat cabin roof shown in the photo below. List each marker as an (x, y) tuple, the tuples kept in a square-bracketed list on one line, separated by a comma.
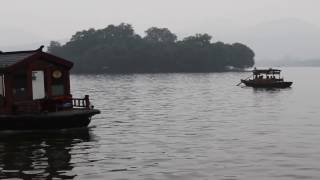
[(266, 71), (9, 60)]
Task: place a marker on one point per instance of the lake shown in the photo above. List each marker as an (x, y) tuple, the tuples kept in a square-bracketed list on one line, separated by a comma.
[(178, 126)]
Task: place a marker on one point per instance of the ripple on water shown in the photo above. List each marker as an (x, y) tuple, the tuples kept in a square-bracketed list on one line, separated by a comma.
[(178, 126)]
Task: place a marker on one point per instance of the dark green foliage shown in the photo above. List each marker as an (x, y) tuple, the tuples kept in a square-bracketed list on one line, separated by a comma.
[(117, 49), (160, 35)]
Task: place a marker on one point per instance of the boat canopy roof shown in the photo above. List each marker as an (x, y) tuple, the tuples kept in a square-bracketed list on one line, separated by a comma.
[(266, 71), (12, 60)]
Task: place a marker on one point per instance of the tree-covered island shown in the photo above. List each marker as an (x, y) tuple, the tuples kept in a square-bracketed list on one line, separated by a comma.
[(118, 49)]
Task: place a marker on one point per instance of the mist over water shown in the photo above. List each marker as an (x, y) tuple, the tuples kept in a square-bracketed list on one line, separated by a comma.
[(178, 126)]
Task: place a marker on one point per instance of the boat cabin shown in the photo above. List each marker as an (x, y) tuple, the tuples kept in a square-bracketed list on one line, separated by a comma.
[(267, 74), (34, 81)]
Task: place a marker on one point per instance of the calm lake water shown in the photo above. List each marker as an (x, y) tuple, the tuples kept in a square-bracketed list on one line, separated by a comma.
[(179, 126)]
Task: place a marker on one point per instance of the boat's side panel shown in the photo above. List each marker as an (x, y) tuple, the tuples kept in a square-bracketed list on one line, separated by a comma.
[(268, 85), (48, 121)]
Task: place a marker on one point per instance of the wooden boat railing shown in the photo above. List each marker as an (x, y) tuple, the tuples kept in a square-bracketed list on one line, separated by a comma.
[(37, 106)]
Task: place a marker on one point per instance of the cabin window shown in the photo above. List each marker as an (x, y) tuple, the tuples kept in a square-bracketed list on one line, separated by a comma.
[(57, 86), (20, 85), (2, 86)]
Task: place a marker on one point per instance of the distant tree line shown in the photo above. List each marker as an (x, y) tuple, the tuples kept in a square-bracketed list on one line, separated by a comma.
[(118, 49)]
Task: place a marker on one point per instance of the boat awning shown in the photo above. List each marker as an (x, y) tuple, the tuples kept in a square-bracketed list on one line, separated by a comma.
[(266, 71)]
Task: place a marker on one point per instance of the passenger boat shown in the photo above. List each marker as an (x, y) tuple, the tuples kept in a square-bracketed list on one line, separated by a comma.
[(266, 78), (35, 93)]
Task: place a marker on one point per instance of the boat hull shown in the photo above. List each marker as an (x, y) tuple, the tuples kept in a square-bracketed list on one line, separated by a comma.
[(267, 85), (50, 120)]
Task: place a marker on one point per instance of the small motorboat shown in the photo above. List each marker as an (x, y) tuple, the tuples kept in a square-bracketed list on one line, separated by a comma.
[(266, 78)]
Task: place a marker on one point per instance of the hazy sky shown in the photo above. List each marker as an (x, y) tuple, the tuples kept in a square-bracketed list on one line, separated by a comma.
[(59, 19)]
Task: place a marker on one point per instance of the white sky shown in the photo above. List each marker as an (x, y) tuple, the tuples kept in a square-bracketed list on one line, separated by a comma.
[(61, 18), (37, 20)]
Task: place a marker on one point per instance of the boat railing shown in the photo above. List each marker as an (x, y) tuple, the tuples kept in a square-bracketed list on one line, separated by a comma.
[(81, 102), (37, 106)]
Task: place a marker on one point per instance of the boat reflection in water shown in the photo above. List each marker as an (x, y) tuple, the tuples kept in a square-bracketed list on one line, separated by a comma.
[(28, 155)]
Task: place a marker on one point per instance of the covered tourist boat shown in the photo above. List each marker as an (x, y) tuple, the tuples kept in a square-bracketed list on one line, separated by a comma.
[(266, 78), (35, 93)]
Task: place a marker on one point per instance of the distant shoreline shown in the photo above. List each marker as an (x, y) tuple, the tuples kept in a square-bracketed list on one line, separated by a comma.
[(171, 72), (118, 49), (291, 63)]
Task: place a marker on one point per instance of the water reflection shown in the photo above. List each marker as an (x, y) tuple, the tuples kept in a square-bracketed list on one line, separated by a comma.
[(30, 155), (271, 90)]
